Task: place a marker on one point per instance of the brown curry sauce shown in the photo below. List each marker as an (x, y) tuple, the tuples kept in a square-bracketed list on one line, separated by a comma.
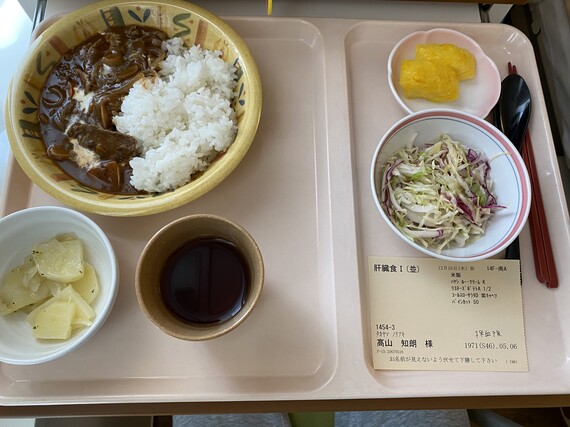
[(82, 95)]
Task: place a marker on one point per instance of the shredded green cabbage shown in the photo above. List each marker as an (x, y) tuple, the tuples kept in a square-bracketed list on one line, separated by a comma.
[(439, 195)]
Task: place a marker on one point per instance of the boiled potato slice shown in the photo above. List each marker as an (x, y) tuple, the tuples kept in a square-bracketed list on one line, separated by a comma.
[(60, 261), (14, 295), (54, 286), (31, 318), (4, 309), (54, 321), (65, 237), (84, 314), (31, 278), (87, 286), (29, 308)]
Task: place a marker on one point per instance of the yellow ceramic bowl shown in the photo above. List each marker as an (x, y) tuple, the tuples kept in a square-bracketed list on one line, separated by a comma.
[(177, 18)]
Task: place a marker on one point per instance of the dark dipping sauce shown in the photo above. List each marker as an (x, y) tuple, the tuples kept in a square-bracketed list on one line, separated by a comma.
[(106, 66), (206, 281)]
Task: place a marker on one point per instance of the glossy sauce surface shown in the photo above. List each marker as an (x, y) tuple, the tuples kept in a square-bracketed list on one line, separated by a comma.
[(83, 93), (205, 281)]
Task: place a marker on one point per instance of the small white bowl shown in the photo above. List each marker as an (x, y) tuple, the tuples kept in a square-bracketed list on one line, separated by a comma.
[(508, 171), (19, 232), (477, 96)]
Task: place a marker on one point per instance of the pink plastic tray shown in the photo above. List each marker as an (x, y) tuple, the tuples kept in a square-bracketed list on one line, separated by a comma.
[(302, 191)]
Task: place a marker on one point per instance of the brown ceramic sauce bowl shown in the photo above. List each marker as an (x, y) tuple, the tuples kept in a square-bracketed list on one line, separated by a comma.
[(183, 272)]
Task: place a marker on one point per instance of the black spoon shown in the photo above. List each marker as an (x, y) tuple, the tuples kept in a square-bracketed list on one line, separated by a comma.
[(513, 109), (511, 116)]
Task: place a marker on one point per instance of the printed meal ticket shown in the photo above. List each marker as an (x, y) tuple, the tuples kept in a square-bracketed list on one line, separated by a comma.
[(429, 314)]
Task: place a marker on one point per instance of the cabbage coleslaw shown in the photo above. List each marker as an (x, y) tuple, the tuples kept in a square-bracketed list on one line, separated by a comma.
[(439, 195)]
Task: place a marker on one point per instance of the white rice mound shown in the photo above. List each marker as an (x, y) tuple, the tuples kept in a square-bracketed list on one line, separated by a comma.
[(181, 119)]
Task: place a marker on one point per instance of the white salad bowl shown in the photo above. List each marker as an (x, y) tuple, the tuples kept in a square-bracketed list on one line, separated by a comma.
[(508, 172), (22, 230), (477, 96)]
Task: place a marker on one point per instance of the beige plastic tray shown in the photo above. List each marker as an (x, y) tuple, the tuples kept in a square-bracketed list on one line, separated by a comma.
[(302, 191)]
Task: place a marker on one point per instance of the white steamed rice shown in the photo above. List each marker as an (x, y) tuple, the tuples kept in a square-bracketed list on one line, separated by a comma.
[(180, 120)]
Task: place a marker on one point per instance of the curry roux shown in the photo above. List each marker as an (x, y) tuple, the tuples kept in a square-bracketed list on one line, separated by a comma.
[(82, 95)]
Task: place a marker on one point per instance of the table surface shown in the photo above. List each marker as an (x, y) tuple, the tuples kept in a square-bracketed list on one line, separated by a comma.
[(19, 38)]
